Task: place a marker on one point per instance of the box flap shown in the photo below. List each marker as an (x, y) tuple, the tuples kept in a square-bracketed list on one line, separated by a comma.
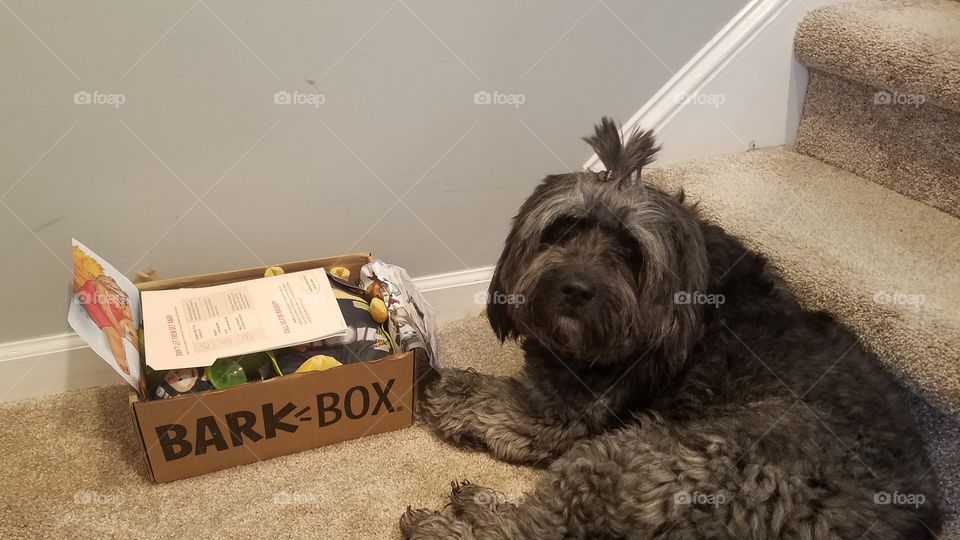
[(352, 262)]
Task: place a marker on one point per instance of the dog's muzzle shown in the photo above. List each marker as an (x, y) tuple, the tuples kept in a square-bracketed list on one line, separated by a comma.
[(576, 292)]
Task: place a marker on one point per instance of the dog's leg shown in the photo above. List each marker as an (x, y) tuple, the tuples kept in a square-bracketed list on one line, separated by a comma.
[(510, 417), (482, 514), (430, 525), (614, 486), (626, 485), (763, 472), (480, 506), (474, 509)]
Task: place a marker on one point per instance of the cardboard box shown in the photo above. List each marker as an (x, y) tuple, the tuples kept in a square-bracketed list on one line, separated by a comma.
[(209, 431)]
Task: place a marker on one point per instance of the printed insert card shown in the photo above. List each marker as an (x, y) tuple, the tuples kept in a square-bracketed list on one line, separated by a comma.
[(187, 328)]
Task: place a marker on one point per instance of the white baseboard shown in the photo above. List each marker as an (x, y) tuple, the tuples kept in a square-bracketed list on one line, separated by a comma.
[(456, 295), (62, 362), (749, 67), (51, 368)]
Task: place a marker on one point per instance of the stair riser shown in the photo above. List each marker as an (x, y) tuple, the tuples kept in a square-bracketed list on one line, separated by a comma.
[(896, 140)]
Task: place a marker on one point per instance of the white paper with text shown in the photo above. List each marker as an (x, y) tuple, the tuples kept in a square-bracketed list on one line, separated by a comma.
[(193, 327)]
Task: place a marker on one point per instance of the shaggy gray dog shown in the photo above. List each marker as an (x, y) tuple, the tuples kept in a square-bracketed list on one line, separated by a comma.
[(672, 386)]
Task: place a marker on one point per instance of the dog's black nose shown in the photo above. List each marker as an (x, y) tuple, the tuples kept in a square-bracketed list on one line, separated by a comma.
[(576, 292)]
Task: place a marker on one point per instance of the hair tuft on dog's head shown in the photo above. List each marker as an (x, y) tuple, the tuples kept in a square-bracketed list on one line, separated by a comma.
[(622, 158)]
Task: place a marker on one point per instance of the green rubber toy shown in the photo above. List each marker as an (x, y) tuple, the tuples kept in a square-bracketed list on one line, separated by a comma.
[(234, 370)]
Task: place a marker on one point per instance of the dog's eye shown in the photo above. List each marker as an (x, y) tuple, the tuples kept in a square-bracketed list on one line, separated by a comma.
[(634, 255), (632, 252), (558, 230)]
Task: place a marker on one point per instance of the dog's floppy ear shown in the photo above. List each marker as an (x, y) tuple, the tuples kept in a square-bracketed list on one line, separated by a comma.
[(497, 312), (622, 158)]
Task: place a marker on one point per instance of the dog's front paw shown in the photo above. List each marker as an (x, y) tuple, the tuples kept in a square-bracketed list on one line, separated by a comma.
[(450, 406), (421, 524), (455, 382), (454, 390), (477, 504)]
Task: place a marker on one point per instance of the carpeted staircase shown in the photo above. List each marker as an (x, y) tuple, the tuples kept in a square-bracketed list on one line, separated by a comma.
[(884, 94), (861, 215)]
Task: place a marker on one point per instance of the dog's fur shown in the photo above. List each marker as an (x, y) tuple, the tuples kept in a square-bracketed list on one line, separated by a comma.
[(659, 417)]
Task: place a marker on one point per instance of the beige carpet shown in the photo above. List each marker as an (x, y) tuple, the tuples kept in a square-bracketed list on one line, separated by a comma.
[(884, 95), (913, 150), (69, 469), (909, 46)]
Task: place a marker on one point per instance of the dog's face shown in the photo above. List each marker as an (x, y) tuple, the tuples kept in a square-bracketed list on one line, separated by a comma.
[(592, 267), (579, 292)]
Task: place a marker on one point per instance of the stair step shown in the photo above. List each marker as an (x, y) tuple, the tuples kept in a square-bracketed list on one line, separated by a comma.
[(884, 264), (911, 149), (907, 46), (941, 435)]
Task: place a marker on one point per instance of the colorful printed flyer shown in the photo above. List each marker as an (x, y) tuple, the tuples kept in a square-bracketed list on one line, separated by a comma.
[(105, 312)]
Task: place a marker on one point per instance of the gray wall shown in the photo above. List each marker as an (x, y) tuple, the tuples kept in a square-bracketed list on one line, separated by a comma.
[(199, 170)]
